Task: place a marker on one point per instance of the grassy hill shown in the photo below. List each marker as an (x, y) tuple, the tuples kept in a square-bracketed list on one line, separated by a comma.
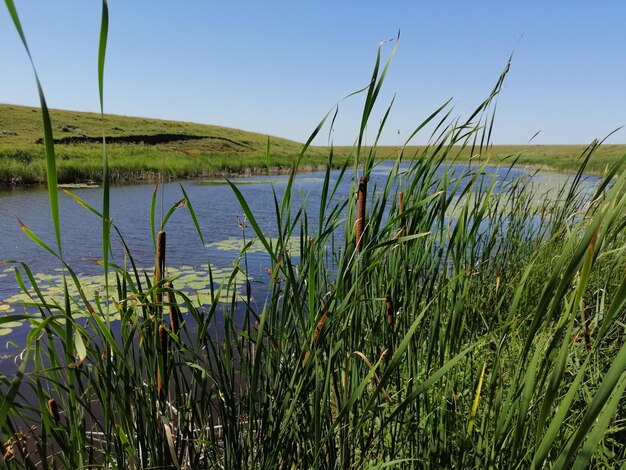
[(141, 148), (138, 148)]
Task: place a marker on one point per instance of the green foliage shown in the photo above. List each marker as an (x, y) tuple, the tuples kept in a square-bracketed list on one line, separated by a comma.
[(475, 328)]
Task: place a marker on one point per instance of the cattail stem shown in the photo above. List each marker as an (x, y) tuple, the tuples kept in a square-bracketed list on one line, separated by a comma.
[(360, 221), (401, 212)]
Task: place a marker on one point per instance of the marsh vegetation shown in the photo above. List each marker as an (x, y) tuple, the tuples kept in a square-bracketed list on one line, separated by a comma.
[(442, 316)]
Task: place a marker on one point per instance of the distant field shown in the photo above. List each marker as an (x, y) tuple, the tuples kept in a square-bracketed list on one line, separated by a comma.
[(552, 157), (141, 148)]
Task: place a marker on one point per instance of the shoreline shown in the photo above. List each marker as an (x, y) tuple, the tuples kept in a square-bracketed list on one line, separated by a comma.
[(151, 177)]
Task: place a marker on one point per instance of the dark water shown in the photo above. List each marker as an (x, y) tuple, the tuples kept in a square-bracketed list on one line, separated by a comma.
[(219, 215)]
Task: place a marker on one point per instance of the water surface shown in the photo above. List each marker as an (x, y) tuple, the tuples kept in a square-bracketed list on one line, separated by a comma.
[(219, 214)]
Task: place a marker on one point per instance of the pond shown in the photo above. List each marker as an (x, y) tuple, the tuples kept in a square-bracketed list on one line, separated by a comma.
[(219, 214)]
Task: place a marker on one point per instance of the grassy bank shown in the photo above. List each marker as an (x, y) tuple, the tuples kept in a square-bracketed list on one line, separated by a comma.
[(138, 148), (440, 320)]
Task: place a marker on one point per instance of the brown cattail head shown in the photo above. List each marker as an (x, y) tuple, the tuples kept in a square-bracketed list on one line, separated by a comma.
[(391, 317), (360, 221), (160, 386), (174, 312), (159, 268), (320, 325), (163, 345), (163, 337), (53, 408), (316, 334)]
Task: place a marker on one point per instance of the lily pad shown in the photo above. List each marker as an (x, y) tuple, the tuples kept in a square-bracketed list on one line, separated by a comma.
[(194, 281), (236, 244)]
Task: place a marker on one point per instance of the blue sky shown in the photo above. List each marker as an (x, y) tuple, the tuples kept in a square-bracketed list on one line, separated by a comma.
[(278, 67)]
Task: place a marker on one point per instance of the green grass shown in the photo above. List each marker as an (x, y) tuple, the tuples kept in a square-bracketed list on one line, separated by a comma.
[(492, 339), (215, 151), (562, 158)]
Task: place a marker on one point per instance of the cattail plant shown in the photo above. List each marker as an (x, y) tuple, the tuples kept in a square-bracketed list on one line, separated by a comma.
[(360, 221)]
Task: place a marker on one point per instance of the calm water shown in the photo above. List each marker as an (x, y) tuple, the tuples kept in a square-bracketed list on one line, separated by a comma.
[(217, 209)]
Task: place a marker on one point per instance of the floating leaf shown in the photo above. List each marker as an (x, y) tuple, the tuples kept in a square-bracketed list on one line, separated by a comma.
[(237, 244)]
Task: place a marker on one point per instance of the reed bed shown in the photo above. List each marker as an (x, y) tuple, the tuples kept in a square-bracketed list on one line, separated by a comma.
[(453, 320)]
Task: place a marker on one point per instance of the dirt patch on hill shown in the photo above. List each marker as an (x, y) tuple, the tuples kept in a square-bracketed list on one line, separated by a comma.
[(153, 139)]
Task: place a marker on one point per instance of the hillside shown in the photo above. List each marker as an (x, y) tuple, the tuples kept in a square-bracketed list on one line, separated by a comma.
[(138, 148), (141, 148)]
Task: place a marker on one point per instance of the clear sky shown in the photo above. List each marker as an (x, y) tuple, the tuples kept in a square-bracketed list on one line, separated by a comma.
[(277, 67)]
